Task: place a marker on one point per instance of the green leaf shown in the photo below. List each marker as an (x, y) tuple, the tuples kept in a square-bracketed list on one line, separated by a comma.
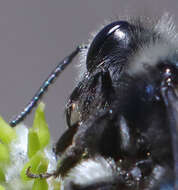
[(33, 143), (40, 184), (43, 166), (4, 156), (7, 133), (38, 164), (2, 188), (2, 175), (40, 126)]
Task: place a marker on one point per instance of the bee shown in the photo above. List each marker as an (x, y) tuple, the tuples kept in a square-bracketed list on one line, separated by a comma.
[(122, 116)]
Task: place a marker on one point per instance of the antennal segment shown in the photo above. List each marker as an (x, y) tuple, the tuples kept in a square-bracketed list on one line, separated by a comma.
[(54, 74)]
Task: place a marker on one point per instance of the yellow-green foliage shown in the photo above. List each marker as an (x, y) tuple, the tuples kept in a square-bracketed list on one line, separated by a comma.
[(7, 134), (38, 139)]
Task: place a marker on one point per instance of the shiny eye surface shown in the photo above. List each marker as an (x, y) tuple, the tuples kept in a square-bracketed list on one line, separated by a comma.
[(116, 34)]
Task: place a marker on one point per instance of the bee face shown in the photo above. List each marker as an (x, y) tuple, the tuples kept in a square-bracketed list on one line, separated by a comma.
[(122, 114)]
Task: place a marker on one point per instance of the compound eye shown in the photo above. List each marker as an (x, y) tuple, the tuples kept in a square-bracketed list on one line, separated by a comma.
[(111, 36)]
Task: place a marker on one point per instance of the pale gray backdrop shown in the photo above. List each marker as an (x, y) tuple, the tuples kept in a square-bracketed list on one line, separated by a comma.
[(35, 34)]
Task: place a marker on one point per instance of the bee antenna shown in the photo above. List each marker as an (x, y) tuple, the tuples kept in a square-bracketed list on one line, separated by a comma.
[(38, 95)]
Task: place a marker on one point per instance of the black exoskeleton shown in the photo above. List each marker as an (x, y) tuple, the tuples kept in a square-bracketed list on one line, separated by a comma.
[(122, 116)]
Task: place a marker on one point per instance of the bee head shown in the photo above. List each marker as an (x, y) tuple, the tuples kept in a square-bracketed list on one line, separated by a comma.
[(120, 112)]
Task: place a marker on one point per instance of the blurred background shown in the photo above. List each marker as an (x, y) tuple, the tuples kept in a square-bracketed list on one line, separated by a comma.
[(36, 34)]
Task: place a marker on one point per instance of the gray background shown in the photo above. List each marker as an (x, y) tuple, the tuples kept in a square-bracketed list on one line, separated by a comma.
[(35, 34)]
